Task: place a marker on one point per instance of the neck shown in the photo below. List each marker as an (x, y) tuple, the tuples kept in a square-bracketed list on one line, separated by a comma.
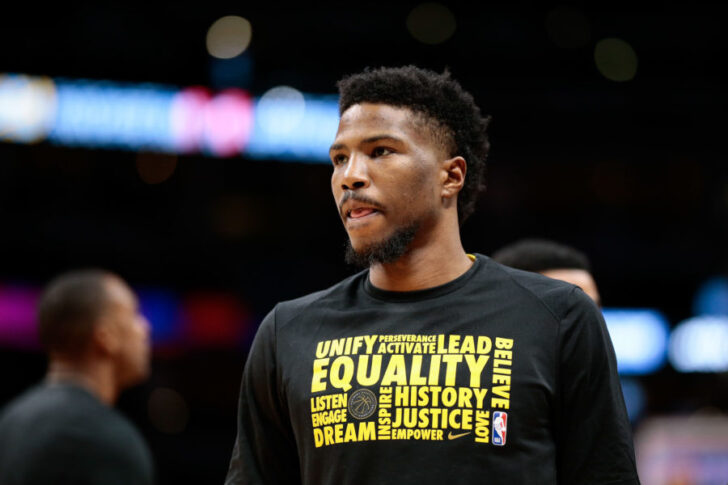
[(96, 378), (426, 264)]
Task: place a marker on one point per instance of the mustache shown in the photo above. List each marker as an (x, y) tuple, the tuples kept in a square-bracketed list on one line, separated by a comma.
[(351, 195)]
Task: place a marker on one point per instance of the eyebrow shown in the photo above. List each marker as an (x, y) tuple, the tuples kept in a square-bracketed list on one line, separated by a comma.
[(371, 139)]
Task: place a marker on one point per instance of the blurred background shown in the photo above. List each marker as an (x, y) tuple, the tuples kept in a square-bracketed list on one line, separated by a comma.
[(184, 146)]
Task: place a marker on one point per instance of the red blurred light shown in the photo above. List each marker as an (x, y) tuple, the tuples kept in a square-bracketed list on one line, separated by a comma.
[(213, 320)]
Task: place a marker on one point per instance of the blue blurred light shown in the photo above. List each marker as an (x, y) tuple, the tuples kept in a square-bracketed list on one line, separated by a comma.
[(712, 297), (640, 338), (285, 129), (700, 344), (161, 308), (105, 114)]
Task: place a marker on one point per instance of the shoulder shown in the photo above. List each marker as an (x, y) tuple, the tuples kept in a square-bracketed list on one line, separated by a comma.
[(44, 401), (338, 296), (70, 410), (556, 297), (113, 442), (72, 416), (17, 408)]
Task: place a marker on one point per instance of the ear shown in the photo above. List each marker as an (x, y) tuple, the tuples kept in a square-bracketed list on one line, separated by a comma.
[(453, 176), (104, 338)]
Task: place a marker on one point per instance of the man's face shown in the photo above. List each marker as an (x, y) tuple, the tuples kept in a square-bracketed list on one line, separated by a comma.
[(131, 331), (386, 178), (579, 277)]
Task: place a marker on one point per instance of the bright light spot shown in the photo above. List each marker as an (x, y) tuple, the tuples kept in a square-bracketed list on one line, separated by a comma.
[(229, 37), (311, 138), (155, 168), (168, 410), (568, 28), (431, 23), (615, 59), (639, 338), (27, 107), (700, 344), (228, 122), (187, 118), (280, 110)]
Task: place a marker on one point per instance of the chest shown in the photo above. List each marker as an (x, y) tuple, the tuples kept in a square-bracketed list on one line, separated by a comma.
[(481, 374)]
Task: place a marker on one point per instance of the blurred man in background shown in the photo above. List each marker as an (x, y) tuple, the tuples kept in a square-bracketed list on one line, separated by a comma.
[(65, 431), (552, 259), (432, 365)]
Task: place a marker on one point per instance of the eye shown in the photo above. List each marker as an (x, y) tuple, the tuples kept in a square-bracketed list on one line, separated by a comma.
[(338, 159), (381, 152)]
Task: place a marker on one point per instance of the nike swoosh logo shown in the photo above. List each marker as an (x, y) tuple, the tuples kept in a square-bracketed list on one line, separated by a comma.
[(451, 436)]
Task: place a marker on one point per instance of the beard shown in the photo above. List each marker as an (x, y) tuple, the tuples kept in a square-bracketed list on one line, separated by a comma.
[(388, 250)]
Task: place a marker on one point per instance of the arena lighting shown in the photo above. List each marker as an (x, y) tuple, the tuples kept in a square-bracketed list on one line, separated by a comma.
[(197, 319), (27, 107), (292, 127), (104, 114), (229, 36), (109, 115), (161, 309), (639, 337), (700, 344), (207, 319), (17, 316)]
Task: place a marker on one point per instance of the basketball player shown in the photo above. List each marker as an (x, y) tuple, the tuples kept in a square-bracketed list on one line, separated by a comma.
[(552, 259), (431, 365), (64, 431)]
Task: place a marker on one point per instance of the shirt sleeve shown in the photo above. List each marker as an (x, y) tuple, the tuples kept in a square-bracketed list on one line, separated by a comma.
[(264, 450), (592, 429)]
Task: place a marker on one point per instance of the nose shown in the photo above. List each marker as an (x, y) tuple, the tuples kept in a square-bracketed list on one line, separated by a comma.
[(356, 175)]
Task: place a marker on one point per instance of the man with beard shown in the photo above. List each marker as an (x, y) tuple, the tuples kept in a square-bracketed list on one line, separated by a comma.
[(432, 365)]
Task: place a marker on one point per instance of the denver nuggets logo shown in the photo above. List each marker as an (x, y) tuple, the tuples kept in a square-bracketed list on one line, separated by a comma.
[(362, 403)]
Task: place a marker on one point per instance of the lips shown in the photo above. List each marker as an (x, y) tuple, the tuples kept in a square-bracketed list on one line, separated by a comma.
[(358, 208), (361, 212)]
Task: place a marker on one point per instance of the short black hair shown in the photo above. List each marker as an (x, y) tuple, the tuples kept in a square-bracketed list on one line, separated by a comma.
[(450, 111), (69, 308), (539, 255)]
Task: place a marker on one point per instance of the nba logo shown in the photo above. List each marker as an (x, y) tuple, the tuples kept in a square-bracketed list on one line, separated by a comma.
[(500, 424)]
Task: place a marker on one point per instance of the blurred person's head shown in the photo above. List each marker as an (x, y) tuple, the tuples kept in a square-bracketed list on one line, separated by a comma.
[(551, 259), (406, 139), (89, 322)]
